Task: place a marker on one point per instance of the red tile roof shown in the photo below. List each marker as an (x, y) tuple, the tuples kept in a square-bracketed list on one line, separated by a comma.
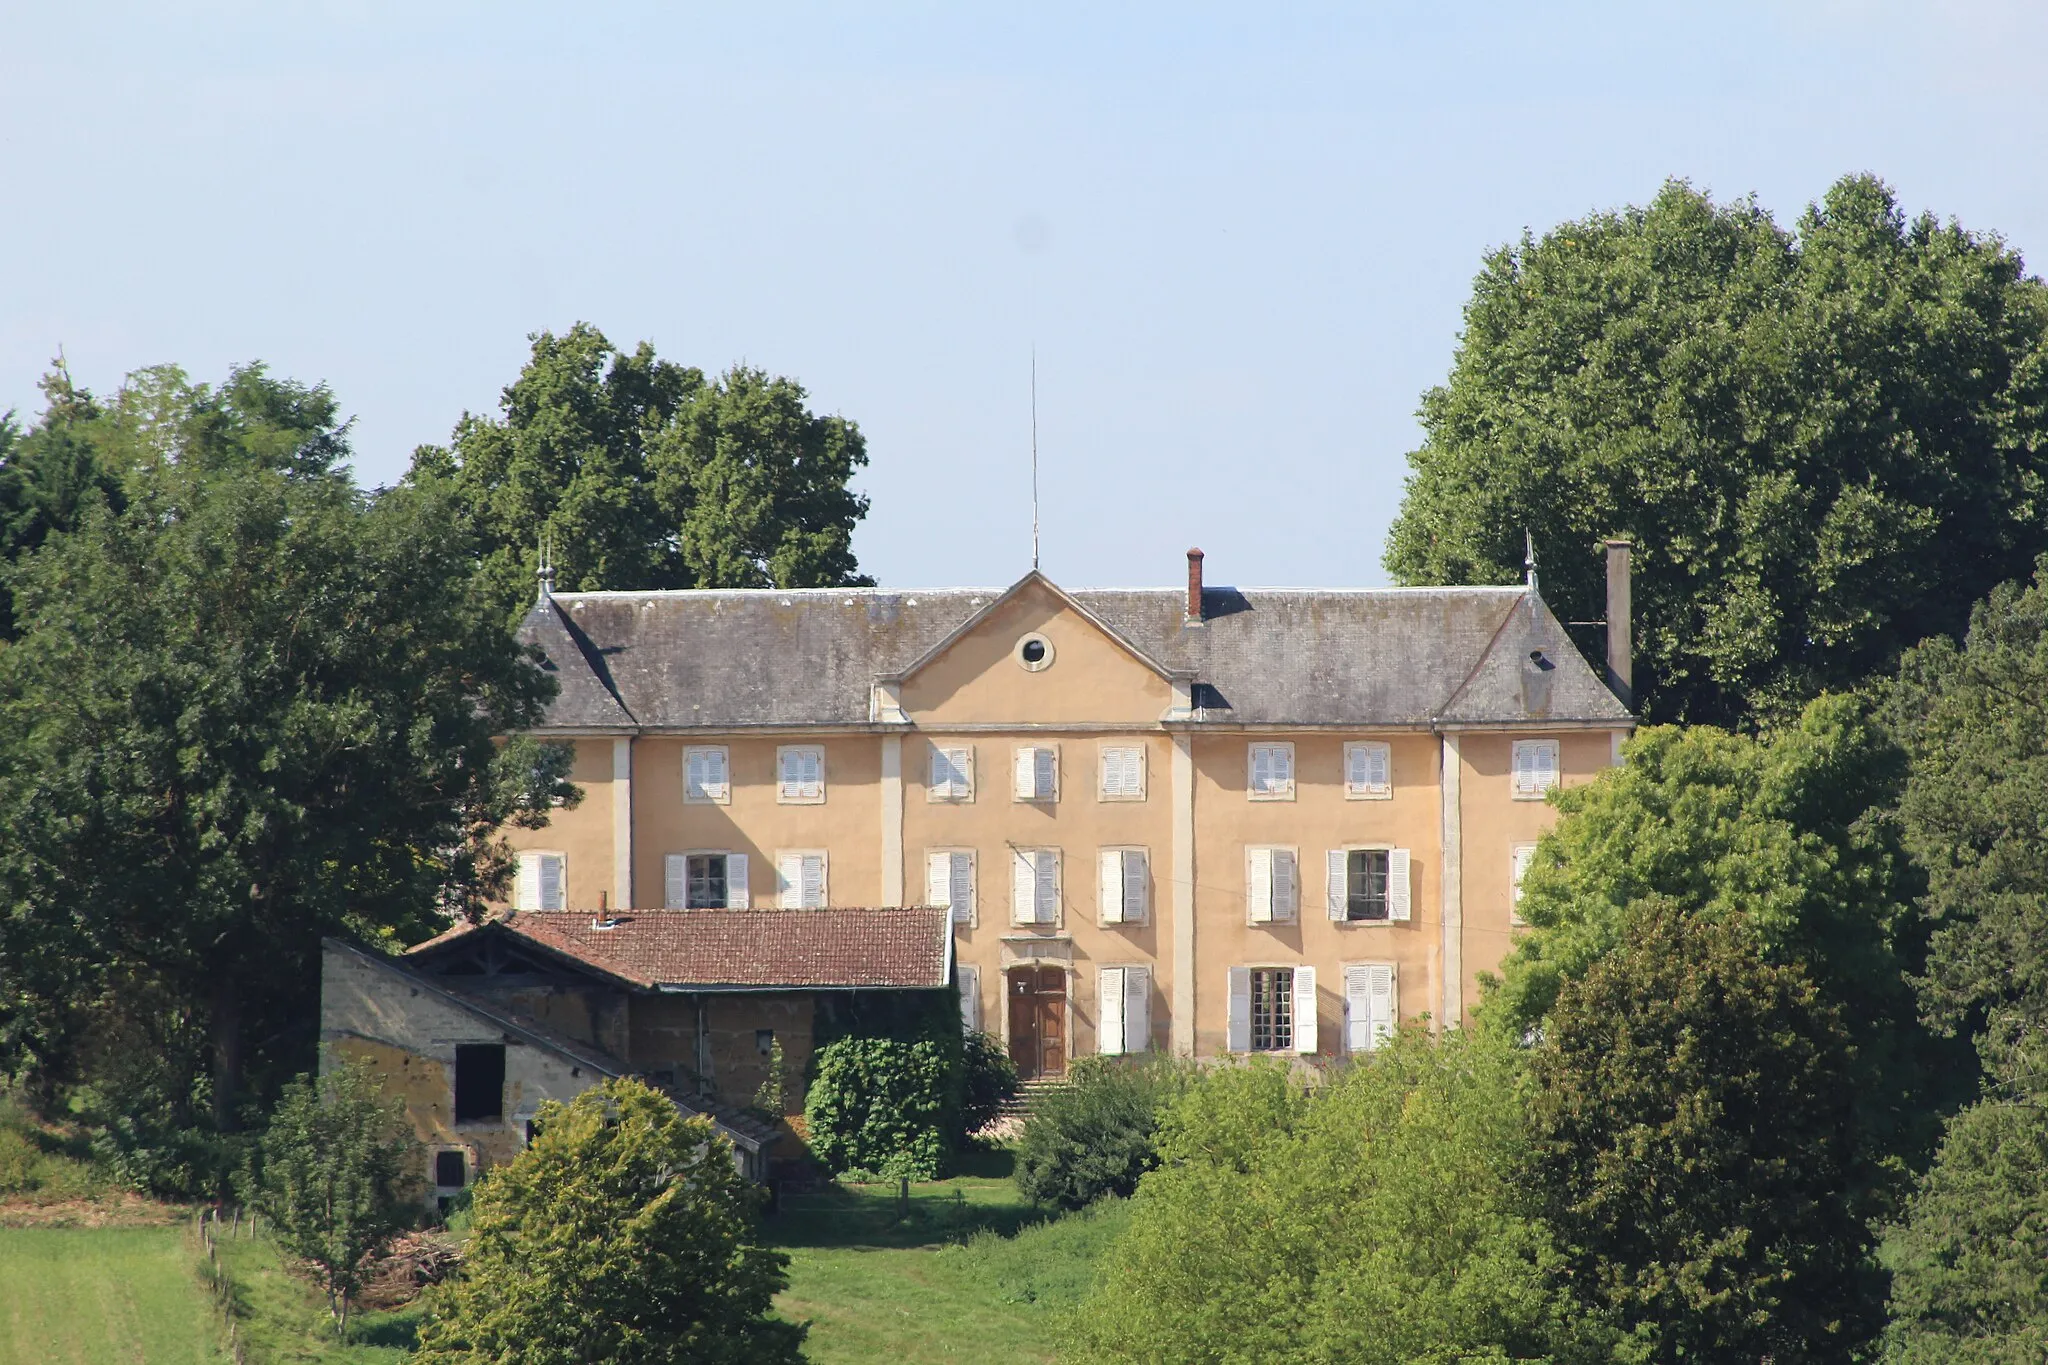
[(745, 949)]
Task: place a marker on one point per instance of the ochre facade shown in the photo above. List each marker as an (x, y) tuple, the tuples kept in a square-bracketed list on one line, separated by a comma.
[(1453, 808)]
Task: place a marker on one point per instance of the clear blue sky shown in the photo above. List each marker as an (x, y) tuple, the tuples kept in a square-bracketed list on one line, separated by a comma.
[(1240, 236)]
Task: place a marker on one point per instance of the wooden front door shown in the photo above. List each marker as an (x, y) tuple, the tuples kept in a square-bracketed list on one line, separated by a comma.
[(1038, 1021)]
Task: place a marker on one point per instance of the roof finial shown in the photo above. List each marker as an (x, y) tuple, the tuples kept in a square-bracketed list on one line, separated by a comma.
[(1529, 557), (546, 571)]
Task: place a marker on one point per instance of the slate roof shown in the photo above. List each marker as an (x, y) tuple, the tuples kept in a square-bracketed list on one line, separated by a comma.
[(743, 949), (1401, 657)]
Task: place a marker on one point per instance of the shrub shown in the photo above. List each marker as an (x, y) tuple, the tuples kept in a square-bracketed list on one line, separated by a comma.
[(988, 1077), (1097, 1135), (884, 1105), (622, 1234)]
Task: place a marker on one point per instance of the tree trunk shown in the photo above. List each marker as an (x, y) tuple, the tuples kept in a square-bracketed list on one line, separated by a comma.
[(227, 1051)]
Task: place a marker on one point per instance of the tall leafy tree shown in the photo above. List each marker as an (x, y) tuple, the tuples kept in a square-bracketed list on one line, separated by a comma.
[(49, 475), (622, 1233), (1828, 442), (248, 707), (641, 473), (1696, 1150)]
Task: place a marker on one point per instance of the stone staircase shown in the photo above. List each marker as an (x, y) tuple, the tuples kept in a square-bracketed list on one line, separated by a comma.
[(1028, 1094)]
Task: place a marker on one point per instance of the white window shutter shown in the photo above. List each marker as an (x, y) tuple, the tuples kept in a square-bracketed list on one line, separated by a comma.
[(1110, 884), (721, 778), (1109, 1015), (1286, 885), (1358, 1008), (962, 890), (1546, 764), (1258, 886), (1262, 768), (1379, 768), (526, 895), (785, 775), (1023, 887), (1045, 775), (1305, 1040), (1239, 1036), (1137, 885), (1137, 1009), (736, 897), (1398, 899), (1027, 769), (938, 879), (1046, 889), (814, 881), (1386, 1011), (696, 781), (789, 880), (1357, 769), (1337, 884), (553, 882), (970, 996), (675, 881)]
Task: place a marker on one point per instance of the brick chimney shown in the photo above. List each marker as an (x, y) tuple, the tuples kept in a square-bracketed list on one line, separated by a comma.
[(1194, 585), (1620, 633)]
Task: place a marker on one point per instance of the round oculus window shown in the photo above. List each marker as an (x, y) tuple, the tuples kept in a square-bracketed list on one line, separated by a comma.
[(1034, 652)]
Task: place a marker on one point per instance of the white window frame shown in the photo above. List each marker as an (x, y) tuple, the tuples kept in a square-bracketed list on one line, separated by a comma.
[(1302, 1022), (959, 786), (798, 792), (790, 895), (1519, 858), (1022, 859), (1400, 884), (738, 866), (1529, 787), (1035, 796), (1363, 1033), (1123, 1009), (1365, 751), (529, 890), (1285, 790), (945, 891), (1123, 754), (1115, 902), (708, 794), (1261, 880)]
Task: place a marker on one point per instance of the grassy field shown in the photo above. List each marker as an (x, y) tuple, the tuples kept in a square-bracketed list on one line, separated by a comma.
[(96, 1295), (283, 1320), (967, 1271)]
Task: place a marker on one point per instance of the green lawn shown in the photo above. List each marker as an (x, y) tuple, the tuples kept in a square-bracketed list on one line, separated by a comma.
[(284, 1321), (94, 1295), (968, 1272)]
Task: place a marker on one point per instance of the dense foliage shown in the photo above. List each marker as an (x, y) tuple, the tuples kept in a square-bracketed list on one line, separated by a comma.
[(329, 1175), (884, 1106), (1696, 1149), (988, 1078), (1379, 1219), (644, 474), (1828, 443), (246, 705), (1096, 1135), (623, 1233)]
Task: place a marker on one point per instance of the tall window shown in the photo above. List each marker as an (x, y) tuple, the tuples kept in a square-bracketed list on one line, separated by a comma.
[(952, 775), (949, 881), (1535, 768), (543, 882), (704, 881), (706, 775), (1270, 885), (1272, 1009), (1035, 886), (1271, 768), (1365, 883), (1519, 858), (479, 1082), (1123, 772), (1125, 885), (800, 774), (1038, 773)]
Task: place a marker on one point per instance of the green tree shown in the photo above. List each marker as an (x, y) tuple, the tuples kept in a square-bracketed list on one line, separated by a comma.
[(1828, 443), (245, 708), (1975, 805), (642, 474), (1380, 1218), (49, 475), (329, 1176), (623, 1233), (1968, 1285), (1096, 1136), (1696, 1148), (884, 1105), (1792, 833)]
